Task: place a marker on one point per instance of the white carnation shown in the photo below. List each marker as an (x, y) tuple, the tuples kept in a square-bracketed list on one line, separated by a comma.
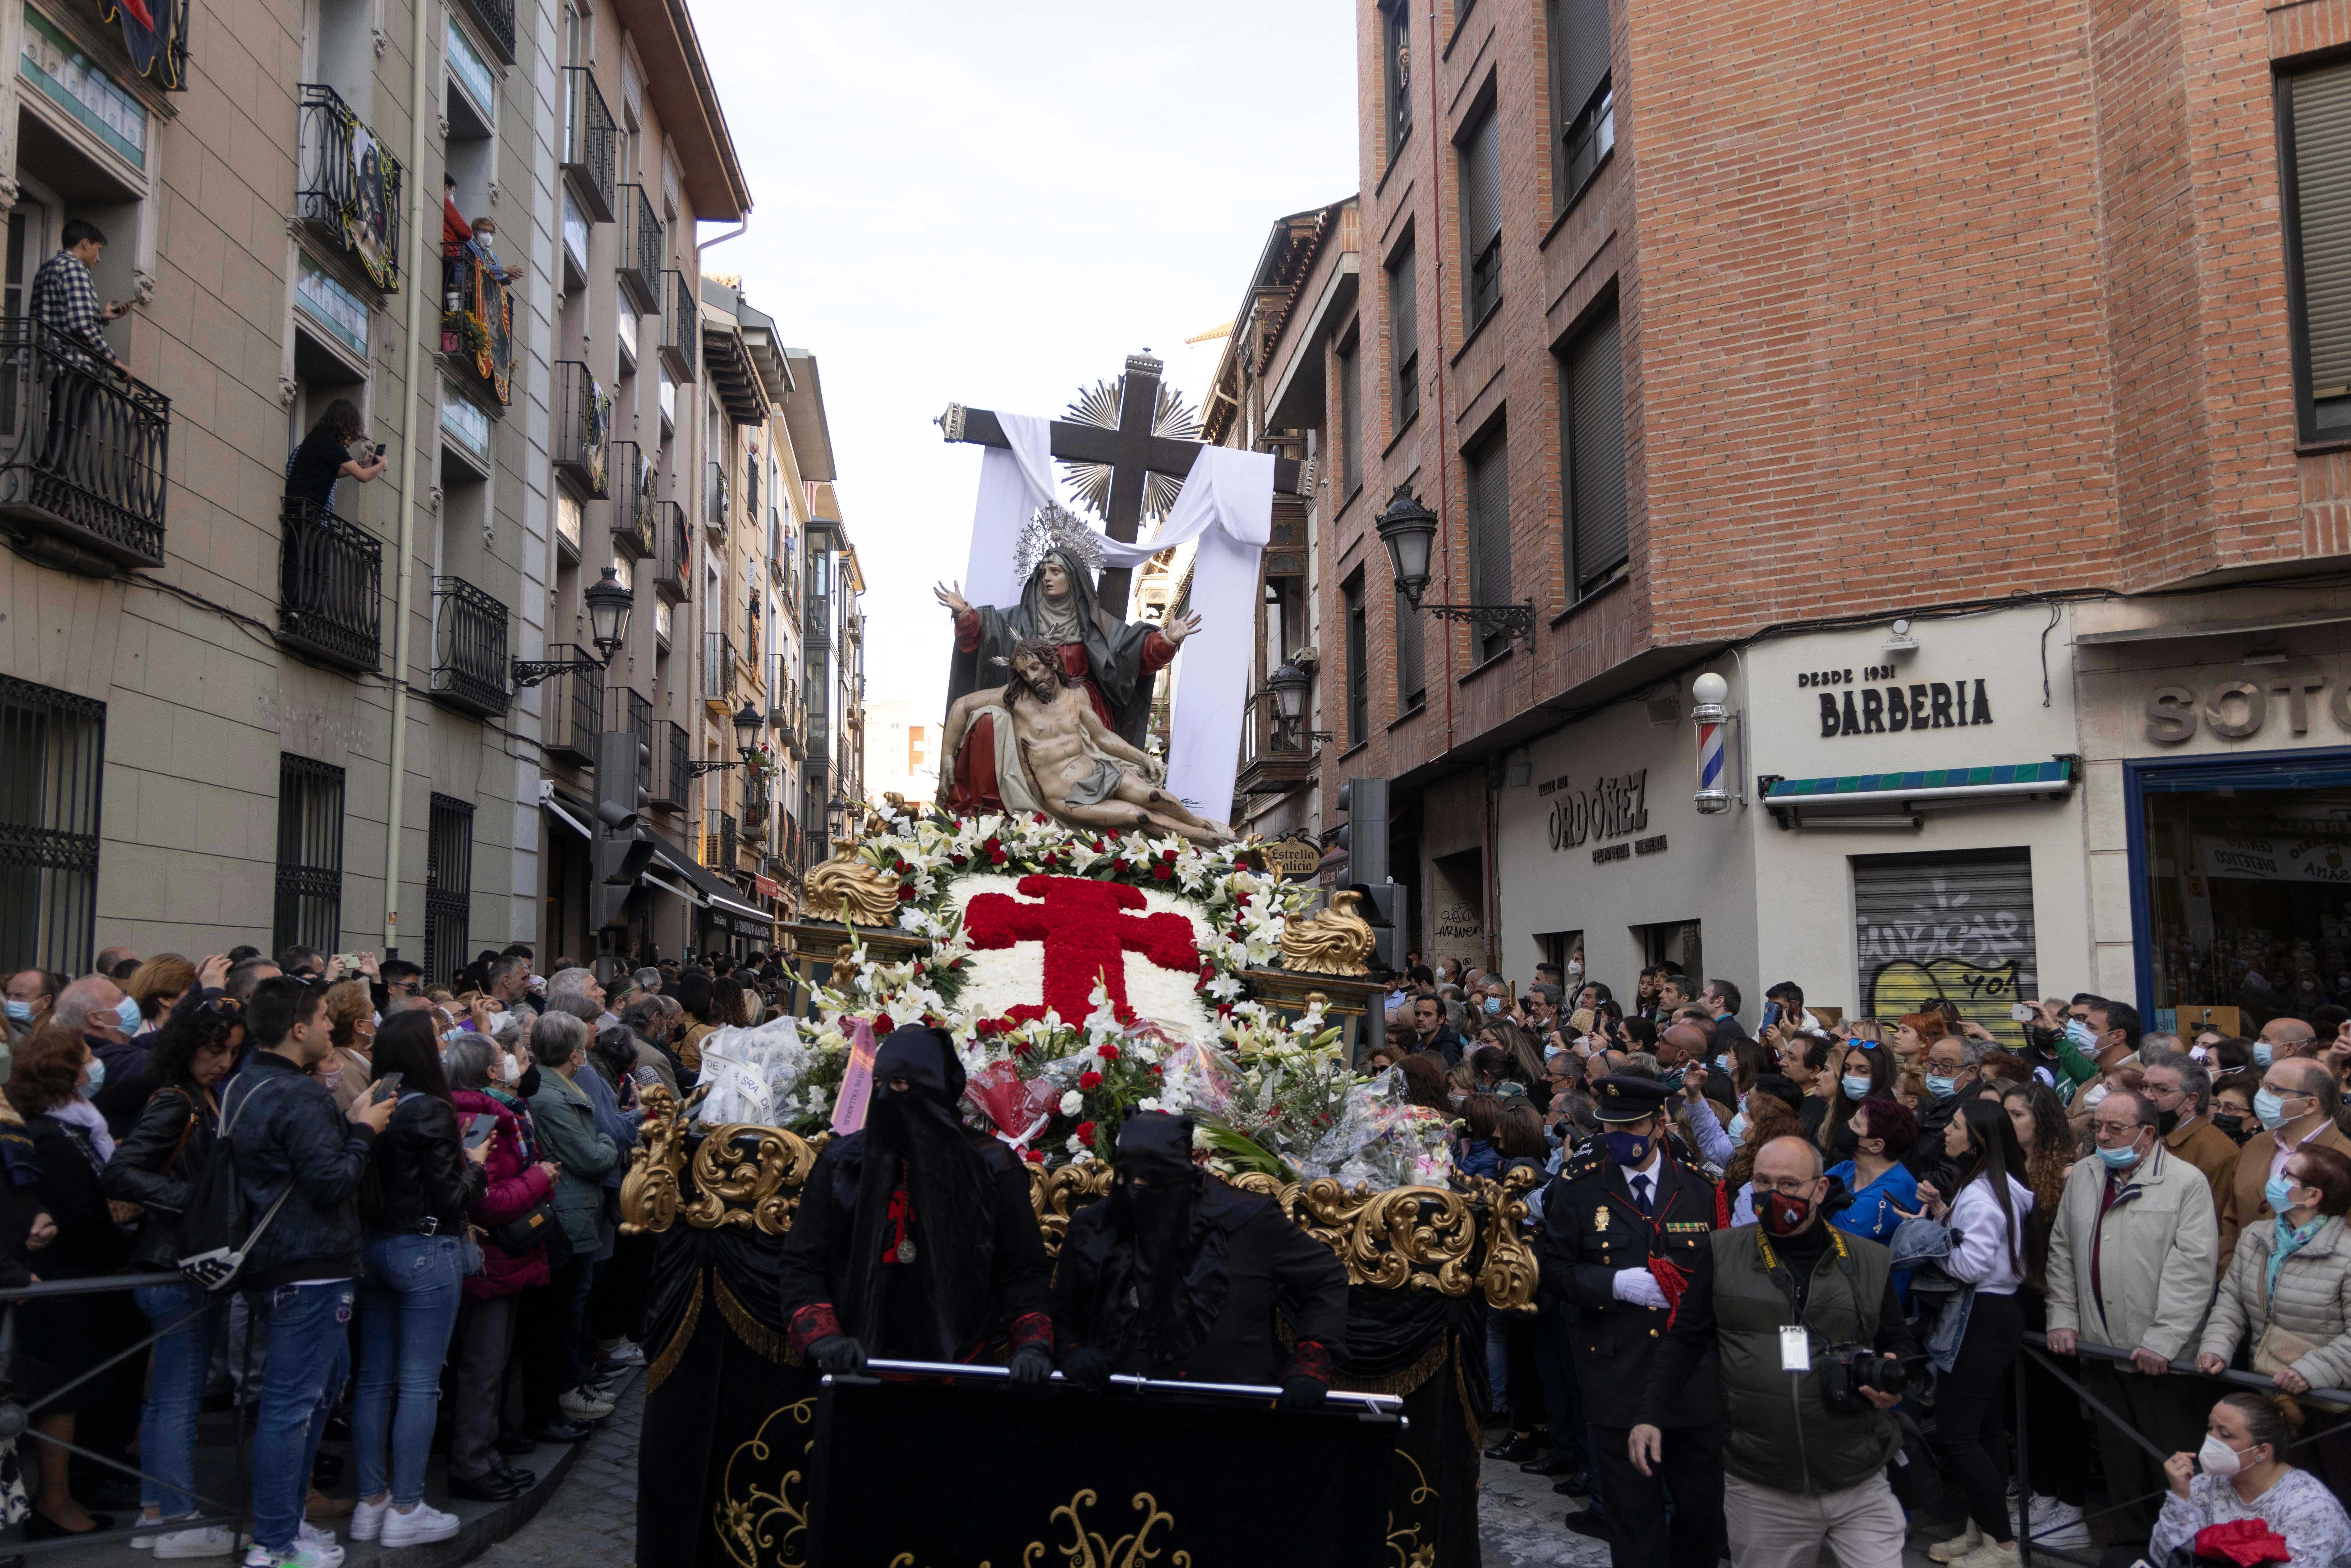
[(1072, 1103)]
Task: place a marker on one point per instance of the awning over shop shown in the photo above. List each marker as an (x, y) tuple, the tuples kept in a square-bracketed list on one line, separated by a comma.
[(1920, 787), (713, 891)]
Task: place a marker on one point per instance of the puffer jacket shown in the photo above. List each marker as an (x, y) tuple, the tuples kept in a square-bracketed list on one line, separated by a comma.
[(156, 1164), (514, 1186), (2313, 1299), (288, 1136), (568, 1135), (423, 1182)]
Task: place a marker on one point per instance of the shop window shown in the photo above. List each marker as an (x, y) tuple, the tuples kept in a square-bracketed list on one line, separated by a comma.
[(2244, 889), (448, 886), (1954, 927), (309, 855), (52, 752)]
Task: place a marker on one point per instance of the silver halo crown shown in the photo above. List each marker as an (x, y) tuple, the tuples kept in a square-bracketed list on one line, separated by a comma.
[(1054, 527)]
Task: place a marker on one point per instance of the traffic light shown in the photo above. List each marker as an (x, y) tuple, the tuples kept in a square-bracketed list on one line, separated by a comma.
[(624, 845), (1382, 902)]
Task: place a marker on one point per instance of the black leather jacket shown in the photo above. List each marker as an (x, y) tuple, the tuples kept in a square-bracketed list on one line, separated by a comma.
[(290, 1140), (422, 1176), (156, 1164)]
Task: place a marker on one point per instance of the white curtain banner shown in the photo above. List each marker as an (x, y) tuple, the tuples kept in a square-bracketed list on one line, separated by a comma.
[(1012, 485)]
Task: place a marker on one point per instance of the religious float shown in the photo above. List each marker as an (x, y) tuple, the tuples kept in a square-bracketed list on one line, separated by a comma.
[(1095, 946)]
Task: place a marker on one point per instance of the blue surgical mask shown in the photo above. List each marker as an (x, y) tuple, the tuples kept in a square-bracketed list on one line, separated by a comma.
[(2078, 1031), (1493, 1004), (2269, 1109), (1722, 1062), (128, 1011), (1856, 1089), (2279, 1192), (1738, 1128), (1940, 1087), (1627, 1148), (2119, 1159), (2260, 1053), (19, 1012), (96, 1078)]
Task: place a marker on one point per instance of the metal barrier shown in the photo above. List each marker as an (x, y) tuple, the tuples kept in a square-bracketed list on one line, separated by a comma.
[(17, 1417)]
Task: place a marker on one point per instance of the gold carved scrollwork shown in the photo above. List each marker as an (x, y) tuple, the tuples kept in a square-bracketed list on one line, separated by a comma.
[(846, 889), (748, 1175), (1511, 1272), (760, 1522), (1417, 1237), (1053, 1194), (648, 1193), (1335, 942), (1091, 1549)]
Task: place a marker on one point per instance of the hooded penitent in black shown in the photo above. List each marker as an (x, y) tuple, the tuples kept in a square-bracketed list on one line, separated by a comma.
[(915, 1237), (1177, 1275)]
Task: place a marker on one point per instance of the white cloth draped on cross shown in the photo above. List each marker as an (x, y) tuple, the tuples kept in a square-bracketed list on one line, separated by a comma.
[(1226, 511)]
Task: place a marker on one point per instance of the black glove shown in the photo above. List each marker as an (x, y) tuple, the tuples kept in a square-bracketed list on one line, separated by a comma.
[(1089, 1368), (1032, 1366), (838, 1353), (1303, 1392)]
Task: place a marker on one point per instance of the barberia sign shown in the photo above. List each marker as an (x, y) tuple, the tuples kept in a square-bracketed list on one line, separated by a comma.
[(1888, 710), (1615, 806)]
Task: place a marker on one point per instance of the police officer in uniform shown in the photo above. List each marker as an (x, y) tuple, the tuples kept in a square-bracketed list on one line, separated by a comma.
[(1626, 1223)]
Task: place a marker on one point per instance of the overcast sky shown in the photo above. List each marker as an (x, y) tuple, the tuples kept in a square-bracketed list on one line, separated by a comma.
[(995, 204)]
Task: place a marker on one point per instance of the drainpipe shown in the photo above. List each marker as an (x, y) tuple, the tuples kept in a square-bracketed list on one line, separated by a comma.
[(404, 592)]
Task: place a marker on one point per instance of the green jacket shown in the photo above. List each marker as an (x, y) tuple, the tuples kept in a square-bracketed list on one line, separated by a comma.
[(566, 1126), (1779, 1432)]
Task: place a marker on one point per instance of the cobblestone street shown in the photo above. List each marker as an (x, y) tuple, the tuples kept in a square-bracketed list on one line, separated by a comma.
[(592, 1519)]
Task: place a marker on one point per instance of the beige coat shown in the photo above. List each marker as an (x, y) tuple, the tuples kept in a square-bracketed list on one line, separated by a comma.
[(2154, 1251), (2313, 1299)]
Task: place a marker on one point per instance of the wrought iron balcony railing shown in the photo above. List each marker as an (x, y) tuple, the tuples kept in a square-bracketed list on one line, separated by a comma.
[(330, 586), (670, 775), (583, 428), (349, 184), (641, 250), (672, 553), (717, 669), (82, 453), (590, 134), (575, 707), (477, 321), (469, 648), (633, 522), (681, 341), (498, 20)]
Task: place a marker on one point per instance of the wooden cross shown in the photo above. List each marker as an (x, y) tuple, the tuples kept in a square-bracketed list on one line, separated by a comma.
[(1130, 451)]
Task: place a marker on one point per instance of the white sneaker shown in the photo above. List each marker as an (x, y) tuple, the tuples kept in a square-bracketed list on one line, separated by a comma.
[(582, 1405), (1965, 1544), (316, 1537), (627, 1353), (2056, 1523), (419, 1525), (205, 1541), (303, 1554), (367, 1518)]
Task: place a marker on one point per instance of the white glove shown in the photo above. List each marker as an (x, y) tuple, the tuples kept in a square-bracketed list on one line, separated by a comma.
[(1639, 1287)]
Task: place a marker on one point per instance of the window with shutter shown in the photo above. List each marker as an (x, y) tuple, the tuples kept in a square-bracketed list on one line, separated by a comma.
[(2318, 186), (1412, 681), (1359, 650), (1481, 217), (1395, 49), (1351, 420), (1593, 378), (1583, 107), (1489, 534), (1404, 336)]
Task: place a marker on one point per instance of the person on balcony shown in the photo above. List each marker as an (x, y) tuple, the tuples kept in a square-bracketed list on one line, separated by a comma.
[(324, 459), (64, 301)]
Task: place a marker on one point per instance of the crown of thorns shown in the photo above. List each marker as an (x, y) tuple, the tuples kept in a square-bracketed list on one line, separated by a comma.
[(1052, 528)]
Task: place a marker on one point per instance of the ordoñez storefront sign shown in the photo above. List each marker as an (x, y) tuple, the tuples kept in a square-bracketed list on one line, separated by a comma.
[(1615, 806)]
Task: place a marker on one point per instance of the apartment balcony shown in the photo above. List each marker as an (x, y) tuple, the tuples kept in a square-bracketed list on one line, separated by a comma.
[(718, 674), (348, 189), (719, 845), (680, 340), (629, 710), (498, 22), (784, 714), (717, 504), (583, 429), (330, 586), (81, 454), (469, 648), (670, 788), (672, 553), (477, 323), (1276, 759), (641, 250), (589, 135), (574, 710), (635, 523)]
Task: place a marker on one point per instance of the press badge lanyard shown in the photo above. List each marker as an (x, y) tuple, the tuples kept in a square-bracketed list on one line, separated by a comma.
[(1796, 1340)]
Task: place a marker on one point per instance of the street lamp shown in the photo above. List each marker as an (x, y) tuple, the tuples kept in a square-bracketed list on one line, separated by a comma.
[(1289, 684), (747, 725), (836, 818), (1409, 529), (608, 609)]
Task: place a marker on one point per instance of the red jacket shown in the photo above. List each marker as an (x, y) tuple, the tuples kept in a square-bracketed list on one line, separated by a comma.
[(513, 1188)]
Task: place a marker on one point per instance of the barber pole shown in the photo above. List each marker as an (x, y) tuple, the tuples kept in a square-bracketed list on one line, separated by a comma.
[(1710, 691)]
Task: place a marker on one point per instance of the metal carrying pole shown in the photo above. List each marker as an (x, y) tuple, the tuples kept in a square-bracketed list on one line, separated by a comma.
[(1386, 1405)]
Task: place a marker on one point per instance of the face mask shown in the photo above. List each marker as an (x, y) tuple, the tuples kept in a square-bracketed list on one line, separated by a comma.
[(1737, 1126), (457, 1036), (2269, 1109), (2279, 1192), (1627, 1148), (1847, 1142), (2164, 1122), (96, 1078), (2079, 1034), (1783, 1215), (1722, 1062), (2120, 1159), (128, 1011), (1940, 1087), (19, 1012), (1856, 1089), (1575, 968), (2094, 1094), (2219, 1459), (1493, 1004), (2232, 1123), (333, 1081), (1457, 1098), (2260, 1053)]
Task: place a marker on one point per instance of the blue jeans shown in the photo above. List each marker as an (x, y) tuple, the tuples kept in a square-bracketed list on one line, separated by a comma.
[(310, 1353), (408, 1303), (183, 1359)]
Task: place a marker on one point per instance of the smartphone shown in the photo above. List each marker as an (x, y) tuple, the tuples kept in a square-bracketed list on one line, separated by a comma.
[(478, 1128), (384, 1088), (1580, 1020), (1770, 1014), (2023, 1013)]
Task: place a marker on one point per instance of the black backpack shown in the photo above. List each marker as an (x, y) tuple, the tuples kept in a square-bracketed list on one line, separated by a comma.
[(217, 1228)]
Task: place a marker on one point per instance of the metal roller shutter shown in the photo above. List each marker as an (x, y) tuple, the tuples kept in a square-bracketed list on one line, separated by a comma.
[(1951, 926), (1583, 55), (1489, 531), (1595, 449), (2320, 107)]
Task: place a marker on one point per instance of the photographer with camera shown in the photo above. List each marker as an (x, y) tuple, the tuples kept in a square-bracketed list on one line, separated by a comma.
[(1814, 1353)]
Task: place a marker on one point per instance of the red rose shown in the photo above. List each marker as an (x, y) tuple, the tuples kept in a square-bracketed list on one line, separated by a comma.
[(1155, 1070), (1117, 864), (1163, 871), (906, 892), (1168, 855), (1110, 1053), (882, 1024), (1089, 1079), (1086, 1133), (1020, 1048), (1040, 818), (1034, 1157), (995, 856)]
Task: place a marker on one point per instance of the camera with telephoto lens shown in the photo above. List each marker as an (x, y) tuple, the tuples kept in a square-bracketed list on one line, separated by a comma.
[(1847, 1370)]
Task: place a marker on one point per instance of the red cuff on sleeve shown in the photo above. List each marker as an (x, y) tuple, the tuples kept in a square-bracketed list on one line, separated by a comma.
[(1311, 1359), (967, 627), (1158, 652), (1032, 1328), (811, 1323)]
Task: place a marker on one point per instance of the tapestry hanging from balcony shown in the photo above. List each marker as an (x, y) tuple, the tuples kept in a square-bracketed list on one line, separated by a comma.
[(155, 32), (481, 324), (367, 215)]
